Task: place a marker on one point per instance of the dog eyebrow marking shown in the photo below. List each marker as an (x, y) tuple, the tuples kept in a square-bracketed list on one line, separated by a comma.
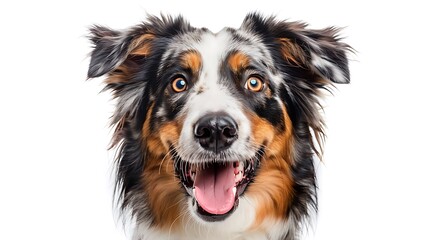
[(238, 61), (191, 60)]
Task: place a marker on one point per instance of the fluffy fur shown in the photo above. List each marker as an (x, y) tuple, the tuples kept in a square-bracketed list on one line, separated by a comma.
[(264, 78)]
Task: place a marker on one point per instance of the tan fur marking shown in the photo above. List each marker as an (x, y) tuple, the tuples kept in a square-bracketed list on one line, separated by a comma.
[(268, 92), (165, 196), (119, 75), (238, 61), (191, 60), (272, 188), (141, 45), (138, 47), (292, 52), (158, 142), (262, 130)]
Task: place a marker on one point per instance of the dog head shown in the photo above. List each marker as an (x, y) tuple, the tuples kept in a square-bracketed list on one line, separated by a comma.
[(217, 126)]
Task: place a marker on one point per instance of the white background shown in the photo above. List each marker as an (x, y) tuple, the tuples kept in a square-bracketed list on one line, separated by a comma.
[(54, 167)]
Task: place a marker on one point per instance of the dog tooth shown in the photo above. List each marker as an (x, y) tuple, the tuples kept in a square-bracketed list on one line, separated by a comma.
[(239, 176), (234, 190), (238, 167), (241, 165)]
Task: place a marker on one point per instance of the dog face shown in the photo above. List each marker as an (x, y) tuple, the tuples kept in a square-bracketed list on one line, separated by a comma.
[(216, 128)]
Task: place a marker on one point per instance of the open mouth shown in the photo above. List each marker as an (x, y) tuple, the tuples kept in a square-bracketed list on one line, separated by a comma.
[(216, 186)]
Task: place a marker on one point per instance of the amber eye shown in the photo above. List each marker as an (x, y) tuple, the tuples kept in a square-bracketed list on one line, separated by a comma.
[(179, 84), (254, 84)]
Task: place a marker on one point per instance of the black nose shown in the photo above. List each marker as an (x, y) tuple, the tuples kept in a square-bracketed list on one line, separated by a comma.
[(216, 132)]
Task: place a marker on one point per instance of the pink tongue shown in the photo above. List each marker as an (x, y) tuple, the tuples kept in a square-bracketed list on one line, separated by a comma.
[(213, 188)]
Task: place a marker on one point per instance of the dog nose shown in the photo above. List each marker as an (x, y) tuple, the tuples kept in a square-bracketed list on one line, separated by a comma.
[(216, 132)]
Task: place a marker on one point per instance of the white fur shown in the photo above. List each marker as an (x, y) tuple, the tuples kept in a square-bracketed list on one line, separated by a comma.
[(209, 96), (322, 63), (235, 227)]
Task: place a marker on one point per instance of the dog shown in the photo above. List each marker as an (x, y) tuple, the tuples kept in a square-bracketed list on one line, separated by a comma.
[(217, 133)]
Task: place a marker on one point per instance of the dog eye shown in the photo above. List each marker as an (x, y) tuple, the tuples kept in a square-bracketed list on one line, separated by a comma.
[(179, 84), (254, 84)]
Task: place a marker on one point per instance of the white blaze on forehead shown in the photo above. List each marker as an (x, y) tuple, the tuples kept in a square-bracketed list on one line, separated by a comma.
[(209, 95), (212, 48)]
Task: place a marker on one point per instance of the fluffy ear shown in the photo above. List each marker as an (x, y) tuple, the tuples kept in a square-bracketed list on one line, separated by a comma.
[(125, 57), (326, 54), (112, 48), (119, 54), (320, 51)]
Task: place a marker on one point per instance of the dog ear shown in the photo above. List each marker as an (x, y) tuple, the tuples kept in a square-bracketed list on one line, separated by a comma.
[(109, 50), (320, 51), (112, 48), (119, 54), (324, 52)]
